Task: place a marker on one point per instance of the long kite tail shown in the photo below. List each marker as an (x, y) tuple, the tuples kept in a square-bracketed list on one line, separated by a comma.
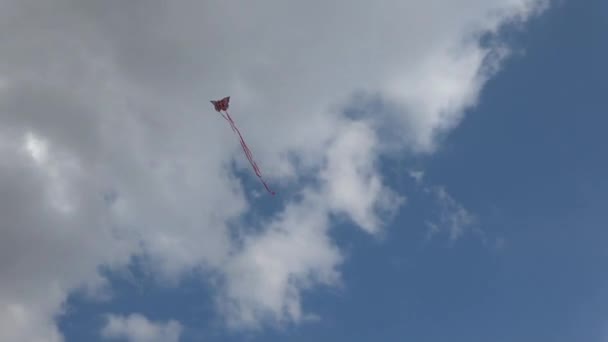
[(247, 151)]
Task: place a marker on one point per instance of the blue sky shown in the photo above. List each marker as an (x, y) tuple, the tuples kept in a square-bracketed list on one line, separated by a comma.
[(528, 162)]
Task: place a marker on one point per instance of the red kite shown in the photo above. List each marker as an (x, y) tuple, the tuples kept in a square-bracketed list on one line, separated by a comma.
[(222, 106)]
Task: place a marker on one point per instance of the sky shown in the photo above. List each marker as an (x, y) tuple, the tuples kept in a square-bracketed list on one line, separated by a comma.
[(439, 171)]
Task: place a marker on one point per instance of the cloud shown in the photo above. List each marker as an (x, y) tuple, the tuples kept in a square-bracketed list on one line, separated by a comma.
[(109, 147), (351, 179), (265, 279), (417, 175), (453, 218), (137, 328)]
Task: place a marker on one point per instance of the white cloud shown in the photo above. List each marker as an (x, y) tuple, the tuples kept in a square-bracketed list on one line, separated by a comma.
[(270, 271), (417, 175), (351, 179), (454, 218), (266, 277), (137, 328), (109, 147)]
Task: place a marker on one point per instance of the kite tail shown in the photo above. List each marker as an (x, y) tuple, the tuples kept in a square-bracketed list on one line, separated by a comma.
[(247, 151)]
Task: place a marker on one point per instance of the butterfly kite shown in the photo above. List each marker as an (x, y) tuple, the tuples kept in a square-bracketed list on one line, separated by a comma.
[(221, 106)]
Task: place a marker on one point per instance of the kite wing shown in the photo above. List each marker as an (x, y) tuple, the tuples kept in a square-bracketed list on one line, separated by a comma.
[(221, 106)]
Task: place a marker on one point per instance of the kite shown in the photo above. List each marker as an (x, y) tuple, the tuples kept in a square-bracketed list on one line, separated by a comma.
[(221, 106)]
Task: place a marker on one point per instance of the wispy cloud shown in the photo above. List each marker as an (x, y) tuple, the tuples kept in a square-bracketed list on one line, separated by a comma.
[(137, 328), (452, 215)]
